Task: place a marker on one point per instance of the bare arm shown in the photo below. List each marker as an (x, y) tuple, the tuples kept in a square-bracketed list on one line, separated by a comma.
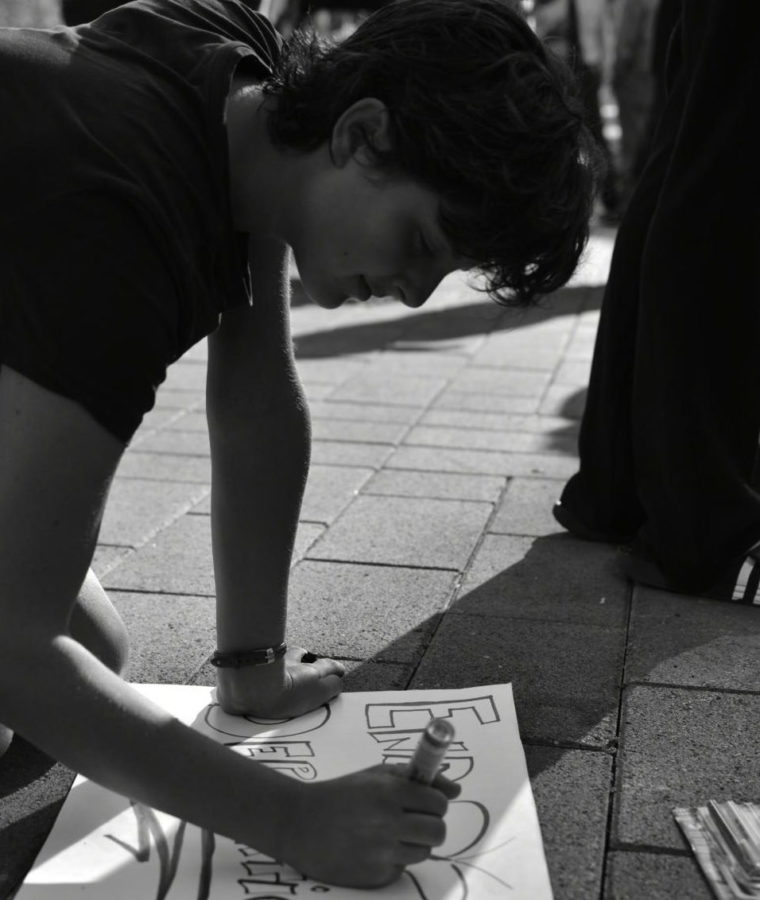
[(56, 464), (260, 439)]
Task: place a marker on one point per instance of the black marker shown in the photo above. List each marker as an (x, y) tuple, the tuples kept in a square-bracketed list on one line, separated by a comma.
[(434, 742)]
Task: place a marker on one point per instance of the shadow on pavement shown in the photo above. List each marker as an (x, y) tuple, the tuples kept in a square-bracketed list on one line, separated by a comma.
[(446, 324)]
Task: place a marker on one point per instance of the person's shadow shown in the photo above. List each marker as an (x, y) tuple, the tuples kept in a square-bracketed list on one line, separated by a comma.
[(421, 330)]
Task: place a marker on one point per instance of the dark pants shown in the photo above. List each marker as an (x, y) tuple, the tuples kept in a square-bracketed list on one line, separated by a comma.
[(669, 439)]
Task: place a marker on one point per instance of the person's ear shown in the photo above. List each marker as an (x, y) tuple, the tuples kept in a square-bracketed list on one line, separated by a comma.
[(363, 125)]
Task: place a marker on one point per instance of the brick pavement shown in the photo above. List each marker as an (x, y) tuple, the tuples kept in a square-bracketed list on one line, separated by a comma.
[(427, 557)]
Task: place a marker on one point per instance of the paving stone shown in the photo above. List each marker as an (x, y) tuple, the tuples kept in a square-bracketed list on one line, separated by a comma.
[(567, 400), (571, 790), (526, 508), (329, 489), (107, 558), (32, 789), (494, 356), (370, 432), (165, 467), (178, 560), (656, 876), (362, 412), (186, 376), (681, 747), (481, 439), (554, 579), (328, 370), (138, 508), (502, 345), (565, 676), (306, 535), (574, 372), (374, 676), (393, 390), (169, 636), (192, 420), (359, 612), (317, 391), (440, 485), (179, 443), (154, 420), (515, 382), (349, 453), (456, 418), (418, 362), (582, 343), (485, 462), (688, 641), (483, 401), (168, 398), (405, 531)]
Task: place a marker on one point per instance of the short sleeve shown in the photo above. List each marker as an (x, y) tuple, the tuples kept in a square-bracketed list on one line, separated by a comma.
[(89, 307)]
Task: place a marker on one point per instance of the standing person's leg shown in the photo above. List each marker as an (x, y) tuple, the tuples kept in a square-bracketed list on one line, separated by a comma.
[(696, 395), (601, 501)]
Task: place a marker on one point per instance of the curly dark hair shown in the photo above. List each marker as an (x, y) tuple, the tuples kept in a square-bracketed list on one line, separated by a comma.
[(481, 112)]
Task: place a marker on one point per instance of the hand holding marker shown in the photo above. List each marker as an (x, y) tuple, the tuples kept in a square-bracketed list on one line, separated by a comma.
[(434, 742)]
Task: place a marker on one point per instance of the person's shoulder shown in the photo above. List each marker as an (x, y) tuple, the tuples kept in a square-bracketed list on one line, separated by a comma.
[(233, 20)]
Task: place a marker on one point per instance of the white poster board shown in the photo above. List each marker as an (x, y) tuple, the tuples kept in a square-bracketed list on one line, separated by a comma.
[(102, 846)]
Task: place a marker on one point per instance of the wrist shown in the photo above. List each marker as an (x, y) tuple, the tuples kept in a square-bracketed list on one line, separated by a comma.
[(241, 691)]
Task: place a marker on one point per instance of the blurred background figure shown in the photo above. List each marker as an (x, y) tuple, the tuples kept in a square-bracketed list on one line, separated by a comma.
[(29, 13), (633, 81), (582, 33)]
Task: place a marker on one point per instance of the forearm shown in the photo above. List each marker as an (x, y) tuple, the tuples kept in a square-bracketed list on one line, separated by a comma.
[(259, 470), (81, 713)]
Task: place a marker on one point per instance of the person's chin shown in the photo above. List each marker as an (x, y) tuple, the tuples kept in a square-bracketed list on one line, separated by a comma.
[(327, 302), (322, 296)]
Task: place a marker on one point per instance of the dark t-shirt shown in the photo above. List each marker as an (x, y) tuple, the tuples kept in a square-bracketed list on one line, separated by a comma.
[(117, 247)]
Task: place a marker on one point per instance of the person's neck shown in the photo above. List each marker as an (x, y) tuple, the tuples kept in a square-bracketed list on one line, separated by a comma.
[(263, 178)]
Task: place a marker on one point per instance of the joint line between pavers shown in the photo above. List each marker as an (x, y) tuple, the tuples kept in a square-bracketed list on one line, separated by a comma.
[(552, 744), (366, 562), (652, 849), (705, 689), (615, 757)]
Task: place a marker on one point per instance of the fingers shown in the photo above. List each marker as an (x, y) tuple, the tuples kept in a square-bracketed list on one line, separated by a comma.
[(450, 788), (327, 667), (330, 687), (322, 664), (409, 854), (422, 830)]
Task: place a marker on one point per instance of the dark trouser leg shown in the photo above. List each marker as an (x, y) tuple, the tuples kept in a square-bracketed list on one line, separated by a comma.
[(603, 497), (696, 391), (671, 428)]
